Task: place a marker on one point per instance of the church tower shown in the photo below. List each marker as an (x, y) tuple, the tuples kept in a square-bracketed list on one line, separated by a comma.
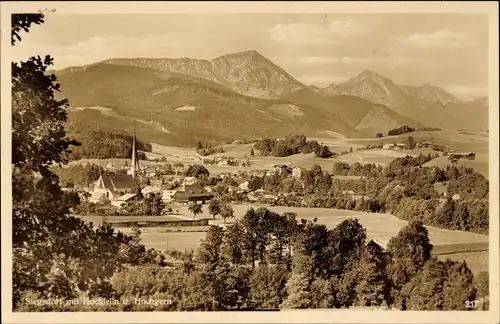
[(134, 166)]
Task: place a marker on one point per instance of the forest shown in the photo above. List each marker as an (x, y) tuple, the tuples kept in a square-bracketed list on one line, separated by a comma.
[(99, 144), (291, 144)]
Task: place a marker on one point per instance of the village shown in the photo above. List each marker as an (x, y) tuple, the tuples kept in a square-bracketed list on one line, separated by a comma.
[(123, 183)]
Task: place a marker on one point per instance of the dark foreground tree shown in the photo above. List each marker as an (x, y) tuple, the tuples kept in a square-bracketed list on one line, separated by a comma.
[(54, 254)]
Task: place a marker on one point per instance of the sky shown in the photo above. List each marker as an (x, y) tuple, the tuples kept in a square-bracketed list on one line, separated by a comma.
[(446, 50)]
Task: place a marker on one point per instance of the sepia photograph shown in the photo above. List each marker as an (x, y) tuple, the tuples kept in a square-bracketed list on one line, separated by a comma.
[(250, 159)]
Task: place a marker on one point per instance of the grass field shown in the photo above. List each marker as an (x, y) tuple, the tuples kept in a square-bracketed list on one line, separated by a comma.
[(456, 245), (456, 140), (480, 164), (475, 254)]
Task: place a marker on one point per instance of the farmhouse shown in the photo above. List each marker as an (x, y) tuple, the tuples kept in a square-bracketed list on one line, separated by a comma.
[(244, 185), (124, 200), (388, 146), (467, 155), (194, 193), (400, 146), (168, 195), (114, 186), (296, 172)]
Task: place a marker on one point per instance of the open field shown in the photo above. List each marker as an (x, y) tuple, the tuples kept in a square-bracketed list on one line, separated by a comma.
[(455, 140), (476, 261), (480, 164), (456, 245)]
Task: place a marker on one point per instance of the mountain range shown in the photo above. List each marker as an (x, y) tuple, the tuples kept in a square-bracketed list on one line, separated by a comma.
[(245, 96)]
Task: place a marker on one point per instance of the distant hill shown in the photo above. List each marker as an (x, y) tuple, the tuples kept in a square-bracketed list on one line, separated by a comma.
[(407, 101), (172, 108), (247, 73), (362, 115), (471, 115), (246, 96), (431, 93)]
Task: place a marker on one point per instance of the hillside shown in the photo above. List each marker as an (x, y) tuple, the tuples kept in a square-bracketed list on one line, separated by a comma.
[(362, 115), (471, 116), (431, 93), (247, 73), (407, 101), (172, 108)]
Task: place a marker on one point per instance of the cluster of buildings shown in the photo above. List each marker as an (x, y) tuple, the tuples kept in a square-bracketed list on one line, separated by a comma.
[(121, 189), (395, 146), (280, 169)]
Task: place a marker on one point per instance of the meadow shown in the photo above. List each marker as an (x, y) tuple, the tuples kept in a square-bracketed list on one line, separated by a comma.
[(456, 245), (455, 140)]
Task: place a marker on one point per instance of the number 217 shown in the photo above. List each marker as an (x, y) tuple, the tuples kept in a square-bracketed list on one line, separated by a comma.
[(471, 304)]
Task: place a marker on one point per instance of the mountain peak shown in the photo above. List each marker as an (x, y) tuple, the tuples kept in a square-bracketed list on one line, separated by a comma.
[(251, 54)]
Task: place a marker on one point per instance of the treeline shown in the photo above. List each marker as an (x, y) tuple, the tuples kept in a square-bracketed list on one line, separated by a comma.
[(290, 145), (400, 130), (208, 149), (78, 175), (250, 266), (99, 144), (404, 188)]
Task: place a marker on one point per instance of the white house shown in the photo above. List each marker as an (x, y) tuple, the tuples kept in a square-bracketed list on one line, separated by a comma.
[(167, 195), (150, 189), (296, 172), (244, 185), (123, 200)]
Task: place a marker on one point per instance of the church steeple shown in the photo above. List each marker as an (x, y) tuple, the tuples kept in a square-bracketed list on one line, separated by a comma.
[(134, 166)]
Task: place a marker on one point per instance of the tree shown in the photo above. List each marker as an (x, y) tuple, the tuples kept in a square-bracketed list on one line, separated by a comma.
[(214, 207), (299, 294), (227, 212), (195, 208), (379, 135), (483, 290), (199, 146), (233, 247), (459, 286), (372, 287), (350, 149), (69, 255), (210, 248), (197, 170), (424, 291), (410, 250), (252, 153), (268, 288)]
